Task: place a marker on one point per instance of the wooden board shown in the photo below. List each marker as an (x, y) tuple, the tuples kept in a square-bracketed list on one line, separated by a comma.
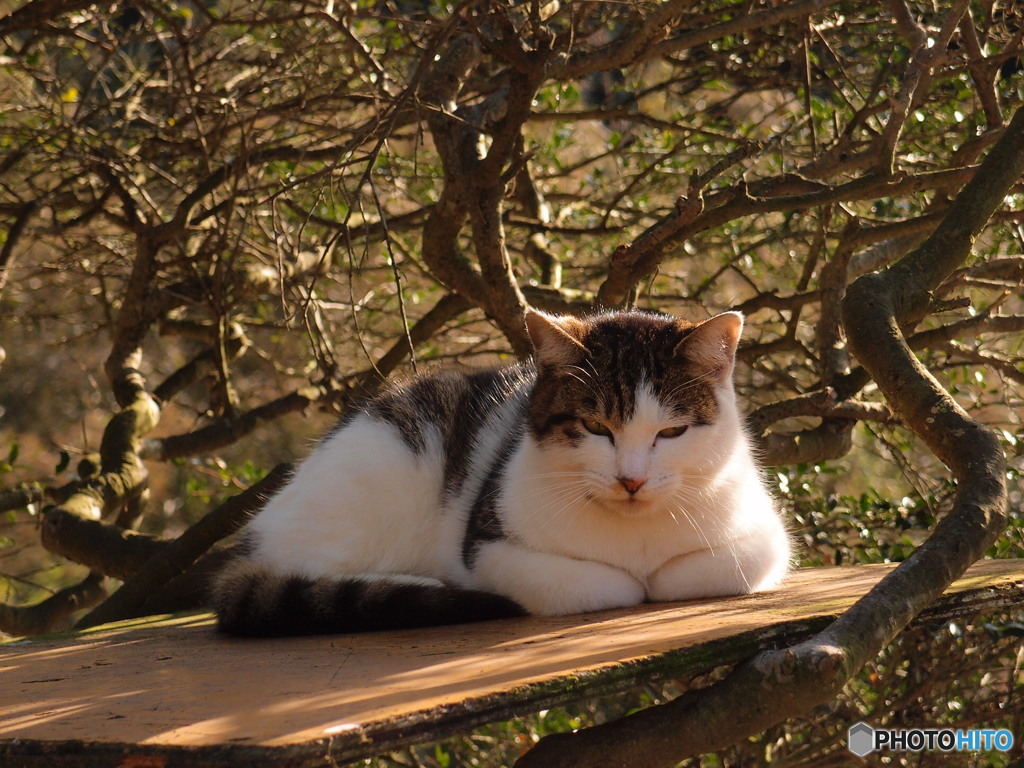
[(173, 692)]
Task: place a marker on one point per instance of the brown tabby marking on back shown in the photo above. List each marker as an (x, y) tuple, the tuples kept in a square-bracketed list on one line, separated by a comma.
[(455, 405)]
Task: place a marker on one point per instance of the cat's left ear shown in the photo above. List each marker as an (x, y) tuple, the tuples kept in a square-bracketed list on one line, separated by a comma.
[(556, 340), (712, 345)]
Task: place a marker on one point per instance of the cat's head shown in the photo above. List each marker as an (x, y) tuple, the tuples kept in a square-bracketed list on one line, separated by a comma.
[(635, 407)]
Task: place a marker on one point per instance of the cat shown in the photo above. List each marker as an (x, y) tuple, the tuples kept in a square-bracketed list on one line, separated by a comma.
[(610, 471)]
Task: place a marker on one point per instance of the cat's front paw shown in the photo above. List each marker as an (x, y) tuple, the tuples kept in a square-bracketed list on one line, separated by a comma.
[(546, 584), (600, 588), (706, 573)]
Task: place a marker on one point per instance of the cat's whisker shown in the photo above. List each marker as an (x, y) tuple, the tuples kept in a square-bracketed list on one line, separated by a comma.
[(566, 473), (587, 382), (570, 497), (689, 383), (557, 490), (544, 511), (701, 535)]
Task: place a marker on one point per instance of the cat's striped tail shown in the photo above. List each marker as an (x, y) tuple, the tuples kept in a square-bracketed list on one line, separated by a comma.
[(252, 601)]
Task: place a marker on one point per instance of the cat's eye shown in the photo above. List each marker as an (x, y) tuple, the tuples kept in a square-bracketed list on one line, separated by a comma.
[(596, 427), (672, 431)]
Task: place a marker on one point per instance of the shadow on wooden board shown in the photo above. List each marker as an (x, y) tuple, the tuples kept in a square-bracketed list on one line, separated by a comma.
[(170, 691)]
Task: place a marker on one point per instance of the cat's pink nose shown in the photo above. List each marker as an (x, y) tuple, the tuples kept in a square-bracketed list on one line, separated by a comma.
[(632, 484)]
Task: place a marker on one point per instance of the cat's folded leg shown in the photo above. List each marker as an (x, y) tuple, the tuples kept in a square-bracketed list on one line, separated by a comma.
[(736, 567), (553, 585)]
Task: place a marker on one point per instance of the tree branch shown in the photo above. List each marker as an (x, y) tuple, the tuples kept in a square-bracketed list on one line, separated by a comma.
[(631, 263), (102, 547), (649, 40), (474, 186), (927, 56), (21, 496), (447, 309), (823, 402), (121, 476), (53, 613), (780, 193), (456, 144), (228, 430), (173, 559), (832, 439), (627, 48)]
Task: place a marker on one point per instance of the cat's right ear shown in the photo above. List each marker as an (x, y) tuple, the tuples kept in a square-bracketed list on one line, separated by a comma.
[(556, 340), (712, 345)]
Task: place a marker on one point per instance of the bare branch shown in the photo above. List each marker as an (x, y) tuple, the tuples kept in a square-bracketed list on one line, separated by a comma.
[(446, 310), (927, 57), (982, 73), (831, 439), (54, 613), (102, 547), (173, 559), (631, 263), (21, 496), (229, 429), (823, 402), (629, 46), (738, 25)]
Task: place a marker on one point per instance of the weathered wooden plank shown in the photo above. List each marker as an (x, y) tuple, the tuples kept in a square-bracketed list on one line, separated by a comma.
[(172, 692)]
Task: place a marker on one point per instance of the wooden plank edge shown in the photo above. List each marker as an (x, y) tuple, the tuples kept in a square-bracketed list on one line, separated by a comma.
[(378, 737)]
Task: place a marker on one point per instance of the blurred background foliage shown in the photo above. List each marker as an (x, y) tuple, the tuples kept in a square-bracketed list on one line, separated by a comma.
[(262, 210)]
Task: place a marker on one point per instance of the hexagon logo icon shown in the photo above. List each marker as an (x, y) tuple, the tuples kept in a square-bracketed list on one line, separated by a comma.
[(860, 739)]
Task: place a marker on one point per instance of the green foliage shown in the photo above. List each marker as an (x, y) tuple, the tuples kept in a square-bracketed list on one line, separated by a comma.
[(838, 529), (207, 484), (10, 464)]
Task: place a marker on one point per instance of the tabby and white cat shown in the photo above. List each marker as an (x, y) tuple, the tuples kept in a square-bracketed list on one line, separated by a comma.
[(612, 471)]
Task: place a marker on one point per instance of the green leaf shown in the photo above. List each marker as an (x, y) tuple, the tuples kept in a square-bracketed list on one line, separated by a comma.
[(12, 456)]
